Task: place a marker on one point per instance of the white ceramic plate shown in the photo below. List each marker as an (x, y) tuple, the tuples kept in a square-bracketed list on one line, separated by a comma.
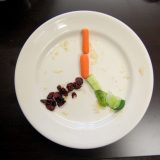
[(119, 60)]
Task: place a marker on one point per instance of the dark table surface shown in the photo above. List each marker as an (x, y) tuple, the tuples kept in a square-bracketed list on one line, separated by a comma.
[(17, 21)]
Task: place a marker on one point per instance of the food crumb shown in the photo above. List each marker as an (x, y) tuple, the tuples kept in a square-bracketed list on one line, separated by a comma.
[(65, 98), (58, 71), (64, 45), (93, 56), (141, 71), (54, 54), (65, 114), (97, 108)]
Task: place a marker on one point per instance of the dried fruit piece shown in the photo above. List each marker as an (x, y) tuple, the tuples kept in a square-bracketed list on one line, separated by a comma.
[(50, 95), (59, 88), (64, 92), (54, 103), (49, 102), (74, 94), (44, 101), (50, 107), (56, 95), (60, 101), (70, 87), (76, 86), (79, 81)]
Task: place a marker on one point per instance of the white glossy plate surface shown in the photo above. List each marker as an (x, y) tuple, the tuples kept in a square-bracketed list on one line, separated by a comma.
[(119, 60)]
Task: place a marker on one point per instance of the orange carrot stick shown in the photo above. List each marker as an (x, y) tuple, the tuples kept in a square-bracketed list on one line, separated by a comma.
[(84, 64), (85, 40)]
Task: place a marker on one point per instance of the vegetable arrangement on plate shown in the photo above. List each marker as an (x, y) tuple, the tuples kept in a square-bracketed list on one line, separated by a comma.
[(104, 99)]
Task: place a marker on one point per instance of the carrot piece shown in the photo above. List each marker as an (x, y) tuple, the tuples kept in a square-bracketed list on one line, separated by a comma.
[(84, 63), (85, 40)]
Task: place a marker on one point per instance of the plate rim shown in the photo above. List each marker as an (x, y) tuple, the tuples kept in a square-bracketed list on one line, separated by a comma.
[(90, 12)]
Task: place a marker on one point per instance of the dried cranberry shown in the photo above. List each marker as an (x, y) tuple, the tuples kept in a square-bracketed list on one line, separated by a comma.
[(50, 107), (44, 101), (50, 95), (59, 88), (49, 102), (64, 92), (60, 101), (54, 103), (79, 81), (76, 86), (74, 95), (60, 104), (56, 95), (70, 87)]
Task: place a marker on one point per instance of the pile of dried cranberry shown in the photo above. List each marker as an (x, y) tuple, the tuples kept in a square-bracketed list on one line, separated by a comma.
[(57, 98)]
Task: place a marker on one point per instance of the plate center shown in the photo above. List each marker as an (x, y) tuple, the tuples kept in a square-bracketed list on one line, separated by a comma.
[(59, 65)]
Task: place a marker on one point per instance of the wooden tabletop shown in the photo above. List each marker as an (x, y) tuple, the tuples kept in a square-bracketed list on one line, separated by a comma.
[(19, 140)]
